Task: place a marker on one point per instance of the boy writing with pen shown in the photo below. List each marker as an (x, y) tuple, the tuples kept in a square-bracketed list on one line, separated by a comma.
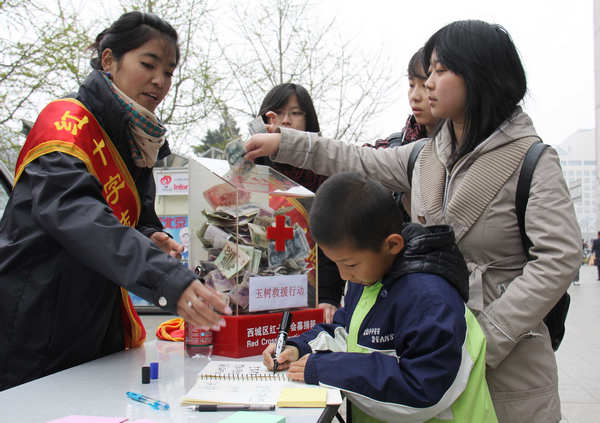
[(404, 347)]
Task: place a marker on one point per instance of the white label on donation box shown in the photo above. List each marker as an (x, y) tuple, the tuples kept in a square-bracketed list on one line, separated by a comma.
[(274, 292)]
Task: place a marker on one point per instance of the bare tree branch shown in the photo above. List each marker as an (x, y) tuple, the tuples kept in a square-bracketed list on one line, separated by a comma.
[(281, 42)]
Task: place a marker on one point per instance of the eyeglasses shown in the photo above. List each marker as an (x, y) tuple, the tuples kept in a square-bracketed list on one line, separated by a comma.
[(292, 114)]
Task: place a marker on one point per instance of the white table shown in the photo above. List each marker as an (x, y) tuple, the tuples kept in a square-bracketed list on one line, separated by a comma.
[(97, 388)]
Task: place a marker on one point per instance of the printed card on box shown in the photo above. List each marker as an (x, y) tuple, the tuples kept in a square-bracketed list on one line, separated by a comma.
[(274, 292)]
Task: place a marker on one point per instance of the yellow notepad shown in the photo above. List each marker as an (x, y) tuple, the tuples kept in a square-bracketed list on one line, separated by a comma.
[(302, 397)]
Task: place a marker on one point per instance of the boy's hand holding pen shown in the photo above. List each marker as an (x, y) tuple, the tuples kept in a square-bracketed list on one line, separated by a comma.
[(284, 328), (277, 356), (288, 356)]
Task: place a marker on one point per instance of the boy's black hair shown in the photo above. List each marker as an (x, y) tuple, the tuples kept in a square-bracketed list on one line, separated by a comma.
[(351, 208), (279, 95), (485, 56)]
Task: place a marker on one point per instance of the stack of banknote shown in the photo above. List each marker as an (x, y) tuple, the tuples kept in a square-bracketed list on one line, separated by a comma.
[(235, 152), (235, 239)]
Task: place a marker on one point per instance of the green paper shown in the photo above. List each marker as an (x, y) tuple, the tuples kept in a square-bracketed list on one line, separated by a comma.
[(253, 417)]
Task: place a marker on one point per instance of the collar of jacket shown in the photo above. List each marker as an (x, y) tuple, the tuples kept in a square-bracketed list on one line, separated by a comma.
[(518, 125), (97, 96), (431, 249), (464, 189)]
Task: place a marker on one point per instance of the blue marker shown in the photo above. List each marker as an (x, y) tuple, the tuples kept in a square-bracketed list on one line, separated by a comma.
[(154, 370), (156, 404)]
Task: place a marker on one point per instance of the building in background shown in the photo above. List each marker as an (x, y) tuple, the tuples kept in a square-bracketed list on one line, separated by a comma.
[(171, 204), (597, 96), (171, 177), (172, 182), (579, 169)]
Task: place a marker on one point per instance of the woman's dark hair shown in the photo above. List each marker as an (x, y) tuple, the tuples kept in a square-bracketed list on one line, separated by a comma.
[(415, 66), (129, 32), (352, 208), (486, 58), (279, 96)]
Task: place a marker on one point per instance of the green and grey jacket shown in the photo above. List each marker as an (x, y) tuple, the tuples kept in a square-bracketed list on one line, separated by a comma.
[(406, 349)]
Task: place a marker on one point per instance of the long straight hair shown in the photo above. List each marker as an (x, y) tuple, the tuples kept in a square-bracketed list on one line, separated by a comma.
[(279, 96), (485, 56)]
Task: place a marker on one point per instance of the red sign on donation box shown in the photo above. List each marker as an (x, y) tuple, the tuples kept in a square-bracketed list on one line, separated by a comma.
[(247, 335)]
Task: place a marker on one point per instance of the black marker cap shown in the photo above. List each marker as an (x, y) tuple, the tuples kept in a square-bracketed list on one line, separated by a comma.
[(145, 374), (286, 321)]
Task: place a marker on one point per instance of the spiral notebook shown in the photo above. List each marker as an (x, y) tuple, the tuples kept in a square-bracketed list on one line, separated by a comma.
[(240, 370), (244, 382)]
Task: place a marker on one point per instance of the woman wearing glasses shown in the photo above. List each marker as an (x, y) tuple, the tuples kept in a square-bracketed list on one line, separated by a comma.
[(290, 105)]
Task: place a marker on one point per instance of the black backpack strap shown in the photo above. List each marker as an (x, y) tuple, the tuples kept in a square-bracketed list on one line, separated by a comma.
[(395, 139), (555, 319), (414, 154), (523, 186)]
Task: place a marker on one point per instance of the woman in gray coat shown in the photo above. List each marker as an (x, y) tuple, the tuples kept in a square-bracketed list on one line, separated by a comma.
[(466, 176)]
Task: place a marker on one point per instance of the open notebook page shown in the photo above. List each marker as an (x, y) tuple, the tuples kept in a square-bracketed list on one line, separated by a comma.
[(243, 382)]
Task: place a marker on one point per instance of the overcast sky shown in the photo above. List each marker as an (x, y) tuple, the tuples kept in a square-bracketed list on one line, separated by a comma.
[(554, 39)]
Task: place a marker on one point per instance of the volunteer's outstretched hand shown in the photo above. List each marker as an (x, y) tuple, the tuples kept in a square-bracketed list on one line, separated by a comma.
[(198, 303), (167, 244)]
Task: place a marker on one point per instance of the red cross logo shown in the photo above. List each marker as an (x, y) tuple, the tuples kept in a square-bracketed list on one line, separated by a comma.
[(280, 233)]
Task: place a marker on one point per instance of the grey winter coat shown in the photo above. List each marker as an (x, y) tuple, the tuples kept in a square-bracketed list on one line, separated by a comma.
[(476, 196)]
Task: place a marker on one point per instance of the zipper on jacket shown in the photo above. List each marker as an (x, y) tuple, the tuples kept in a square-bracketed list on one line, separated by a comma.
[(445, 200)]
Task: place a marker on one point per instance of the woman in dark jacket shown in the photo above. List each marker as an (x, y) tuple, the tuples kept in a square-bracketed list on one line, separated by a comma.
[(80, 229), (290, 105)]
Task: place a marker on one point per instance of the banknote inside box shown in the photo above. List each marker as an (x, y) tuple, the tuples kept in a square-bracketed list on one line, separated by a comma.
[(251, 223)]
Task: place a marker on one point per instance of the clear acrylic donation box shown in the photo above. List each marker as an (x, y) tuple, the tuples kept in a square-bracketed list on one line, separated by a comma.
[(250, 242)]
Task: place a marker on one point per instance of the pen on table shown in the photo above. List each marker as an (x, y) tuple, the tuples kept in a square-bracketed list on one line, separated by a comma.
[(232, 407), (156, 404), (286, 321)]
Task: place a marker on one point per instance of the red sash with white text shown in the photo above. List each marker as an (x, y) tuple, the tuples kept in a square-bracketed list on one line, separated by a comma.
[(66, 126)]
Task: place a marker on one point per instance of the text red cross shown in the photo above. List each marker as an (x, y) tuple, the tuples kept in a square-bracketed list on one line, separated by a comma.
[(280, 233)]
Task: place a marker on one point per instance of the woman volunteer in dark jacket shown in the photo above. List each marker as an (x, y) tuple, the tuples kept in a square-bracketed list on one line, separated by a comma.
[(80, 228)]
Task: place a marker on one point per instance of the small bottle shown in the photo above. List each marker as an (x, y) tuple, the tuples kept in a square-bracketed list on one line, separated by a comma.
[(198, 340)]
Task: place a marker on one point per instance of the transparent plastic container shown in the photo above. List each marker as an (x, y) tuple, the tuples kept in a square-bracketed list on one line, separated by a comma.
[(250, 234), (198, 341)]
